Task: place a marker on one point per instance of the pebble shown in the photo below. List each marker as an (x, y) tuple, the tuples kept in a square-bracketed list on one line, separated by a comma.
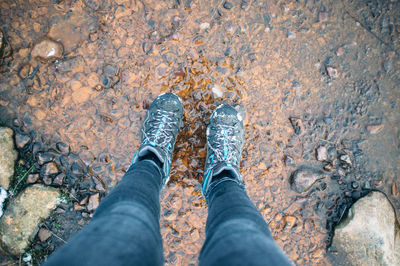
[(322, 153), (345, 158), (44, 234), (49, 169), (204, 25), (44, 157), (228, 5), (47, 50), (339, 51), (332, 72), (63, 148), (32, 178), (304, 177), (217, 92), (367, 185), (47, 180), (94, 202), (322, 16), (374, 129), (395, 190), (291, 35), (21, 140), (59, 179), (99, 185)]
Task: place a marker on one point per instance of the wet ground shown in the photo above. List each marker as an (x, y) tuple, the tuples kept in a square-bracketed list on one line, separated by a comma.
[(331, 68)]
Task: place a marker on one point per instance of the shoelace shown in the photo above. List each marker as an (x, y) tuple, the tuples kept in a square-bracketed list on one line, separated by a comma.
[(224, 144), (163, 127)]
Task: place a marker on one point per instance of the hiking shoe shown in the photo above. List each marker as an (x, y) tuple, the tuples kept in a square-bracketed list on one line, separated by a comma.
[(160, 129), (225, 136)]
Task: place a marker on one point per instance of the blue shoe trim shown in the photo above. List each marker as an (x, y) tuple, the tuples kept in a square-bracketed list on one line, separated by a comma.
[(206, 179)]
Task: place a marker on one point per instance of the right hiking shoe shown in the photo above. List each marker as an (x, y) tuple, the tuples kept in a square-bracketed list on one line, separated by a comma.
[(225, 136)]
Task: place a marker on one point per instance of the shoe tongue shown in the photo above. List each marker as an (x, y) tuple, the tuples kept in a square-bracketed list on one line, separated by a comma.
[(150, 149), (232, 169)]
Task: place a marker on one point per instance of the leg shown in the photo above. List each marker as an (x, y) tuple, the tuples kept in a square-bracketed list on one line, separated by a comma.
[(236, 233), (125, 228)]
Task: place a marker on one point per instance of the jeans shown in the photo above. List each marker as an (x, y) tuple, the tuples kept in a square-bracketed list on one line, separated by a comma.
[(125, 228)]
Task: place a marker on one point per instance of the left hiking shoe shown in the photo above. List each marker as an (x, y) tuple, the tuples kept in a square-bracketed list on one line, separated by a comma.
[(225, 136), (160, 129)]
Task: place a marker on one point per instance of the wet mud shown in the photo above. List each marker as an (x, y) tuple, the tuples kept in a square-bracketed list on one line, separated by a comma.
[(319, 81)]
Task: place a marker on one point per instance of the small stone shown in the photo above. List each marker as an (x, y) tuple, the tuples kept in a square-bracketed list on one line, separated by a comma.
[(322, 153), (291, 35), (367, 185), (354, 184), (32, 178), (86, 156), (99, 184), (304, 177), (328, 167), (217, 92), (44, 234), (345, 158), (395, 190), (8, 155), (59, 179), (78, 207), (228, 5), (47, 50), (60, 211), (374, 129), (332, 72), (23, 215), (49, 169), (63, 148), (47, 180), (21, 140), (44, 157), (84, 201), (94, 202), (322, 16), (339, 51), (204, 25), (297, 124)]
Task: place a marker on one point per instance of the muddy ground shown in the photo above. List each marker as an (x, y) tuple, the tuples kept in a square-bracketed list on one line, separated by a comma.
[(331, 68)]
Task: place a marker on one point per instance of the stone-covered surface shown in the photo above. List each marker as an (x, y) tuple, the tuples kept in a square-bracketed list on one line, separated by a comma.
[(8, 155), (370, 234), (21, 219)]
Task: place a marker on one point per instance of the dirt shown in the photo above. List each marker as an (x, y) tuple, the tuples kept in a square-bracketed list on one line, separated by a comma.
[(309, 73)]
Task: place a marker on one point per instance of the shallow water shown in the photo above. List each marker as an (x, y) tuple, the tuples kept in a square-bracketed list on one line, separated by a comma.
[(272, 57)]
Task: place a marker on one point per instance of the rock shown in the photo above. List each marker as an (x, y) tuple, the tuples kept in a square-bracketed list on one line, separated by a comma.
[(7, 157), (99, 184), (339, 51), (2, 44), (297, 124), (32, 178), (21, 140), (47, 50), (47, 180), (369, 235), (304, 177), (20, 222), (395, 190), (345, 158), (332, 72), (63, 148), (3, 197), (228, 5), (374, 129), (322, 153), (59, 179), (94, 201), (49, 169), (44, 157), (44, 234), (217, 92), (291, 35), (204, 25), (322, 16)]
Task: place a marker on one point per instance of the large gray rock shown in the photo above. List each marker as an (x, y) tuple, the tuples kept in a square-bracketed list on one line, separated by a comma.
[(20, 222), (8, 155), (370, 235)]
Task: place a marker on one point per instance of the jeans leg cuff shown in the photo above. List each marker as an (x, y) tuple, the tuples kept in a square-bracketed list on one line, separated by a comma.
[(214, 184)]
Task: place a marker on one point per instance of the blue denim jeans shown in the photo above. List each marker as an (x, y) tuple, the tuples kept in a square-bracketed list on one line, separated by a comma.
[(125, 228)]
